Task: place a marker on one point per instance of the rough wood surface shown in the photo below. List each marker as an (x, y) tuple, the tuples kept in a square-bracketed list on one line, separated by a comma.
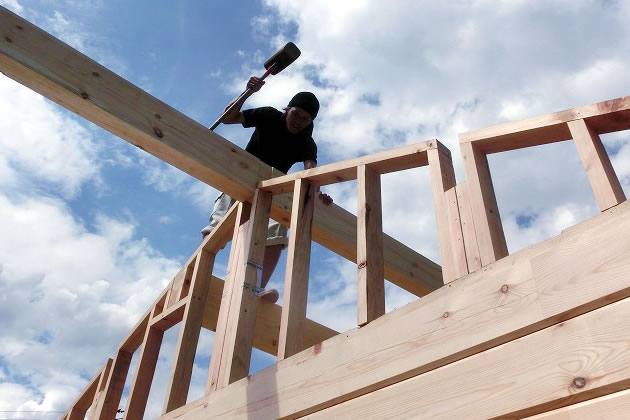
[(295, 297), (535, 288)]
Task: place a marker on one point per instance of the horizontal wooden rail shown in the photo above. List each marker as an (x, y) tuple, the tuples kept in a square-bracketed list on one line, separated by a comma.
[(393, 160)]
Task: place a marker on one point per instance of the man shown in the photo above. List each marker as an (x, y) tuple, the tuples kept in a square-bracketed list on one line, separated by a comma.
[(280, 139)]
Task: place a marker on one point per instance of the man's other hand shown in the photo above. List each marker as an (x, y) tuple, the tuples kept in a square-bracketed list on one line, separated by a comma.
[(325, 198)]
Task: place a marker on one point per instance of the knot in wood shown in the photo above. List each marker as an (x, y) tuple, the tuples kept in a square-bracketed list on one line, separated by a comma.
[(579, 382), (158, 116), (445, 315), (95, 74), (363, 264), (8, 39), (84, 95), (505, 288), (158, 132), (19, 27)]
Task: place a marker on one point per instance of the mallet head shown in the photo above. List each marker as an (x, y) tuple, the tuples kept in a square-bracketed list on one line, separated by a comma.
[(281, 59)]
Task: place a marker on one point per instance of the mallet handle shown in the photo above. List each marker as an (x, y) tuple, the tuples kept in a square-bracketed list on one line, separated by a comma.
[(235, 102)]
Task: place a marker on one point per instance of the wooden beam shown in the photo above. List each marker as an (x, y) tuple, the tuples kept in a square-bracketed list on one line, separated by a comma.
[(48, 66), (449, 229), (393, 160), (535, 288), (584, 357), (371, 282), (291, 338), (483, 201), (612, 406), (600, 172), (603, 117)]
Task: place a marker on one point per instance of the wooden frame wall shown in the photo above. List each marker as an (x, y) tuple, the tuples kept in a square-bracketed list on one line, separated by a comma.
[(583, 125)]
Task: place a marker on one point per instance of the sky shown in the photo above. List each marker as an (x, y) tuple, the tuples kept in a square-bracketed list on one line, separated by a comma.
[(93, 228)]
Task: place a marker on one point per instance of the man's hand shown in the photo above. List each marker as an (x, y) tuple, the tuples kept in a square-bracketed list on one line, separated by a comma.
[(325, 198), (255, 83)]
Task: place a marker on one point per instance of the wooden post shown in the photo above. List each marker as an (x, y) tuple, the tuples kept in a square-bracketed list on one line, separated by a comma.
[(601, 174), (110, 399), (143, 378), (100, 389), (236, 254), (371, 291), (179, 381), (291, 340), (468, 228), (235, 353), (490, 236), (449, 227)]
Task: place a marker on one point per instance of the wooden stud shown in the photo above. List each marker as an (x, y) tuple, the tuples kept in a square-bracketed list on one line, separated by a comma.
[(222, 326), (601, 174), (237, 348), (79, 407), (490, 236), (371, 290), (181, 372), (100, 389), (468, 228), (112, 392), (449, 229), (145, 370), (232, 353), (291, 338)]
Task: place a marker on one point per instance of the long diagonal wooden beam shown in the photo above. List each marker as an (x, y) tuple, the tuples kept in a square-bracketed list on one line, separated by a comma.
[(41, 62)]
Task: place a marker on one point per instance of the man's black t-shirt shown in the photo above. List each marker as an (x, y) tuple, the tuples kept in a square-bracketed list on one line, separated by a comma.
[(273, 143)]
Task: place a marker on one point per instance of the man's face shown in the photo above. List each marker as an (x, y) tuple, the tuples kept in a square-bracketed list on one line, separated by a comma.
[(297, 119)]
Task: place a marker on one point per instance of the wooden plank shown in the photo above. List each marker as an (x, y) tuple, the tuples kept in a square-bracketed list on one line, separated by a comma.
[(112, 392), (535, 288), (614, 406), (267, 322), (468, 228), (447, 214), (291, 337), (581, 358), (145, 370), (600, 172), (604, 117), (48, 66), (483, 201), (371, 283), (181, 372), (393, 160)]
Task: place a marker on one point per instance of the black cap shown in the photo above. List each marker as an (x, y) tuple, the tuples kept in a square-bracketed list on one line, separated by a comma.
[(307, 101)]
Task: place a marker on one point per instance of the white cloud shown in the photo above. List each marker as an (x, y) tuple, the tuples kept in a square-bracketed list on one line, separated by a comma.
[(43, 144), (54, 269), (12, 5)]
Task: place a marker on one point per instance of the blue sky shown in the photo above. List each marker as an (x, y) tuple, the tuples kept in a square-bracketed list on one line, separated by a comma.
[(97, 227)]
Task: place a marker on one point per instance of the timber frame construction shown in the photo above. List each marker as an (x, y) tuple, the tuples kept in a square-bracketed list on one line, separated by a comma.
[(539, 334)]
